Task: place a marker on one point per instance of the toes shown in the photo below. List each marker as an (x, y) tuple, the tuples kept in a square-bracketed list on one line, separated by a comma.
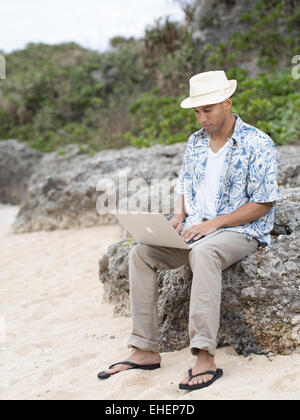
[(110, 371), (200, 380), (113, 370), (195, 381), (208, 378), (185, 381)]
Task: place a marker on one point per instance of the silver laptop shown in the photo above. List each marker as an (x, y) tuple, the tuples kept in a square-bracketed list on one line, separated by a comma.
[(156, 229)]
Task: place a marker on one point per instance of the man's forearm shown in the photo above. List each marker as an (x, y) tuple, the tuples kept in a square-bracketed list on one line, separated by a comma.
[(243, 215)]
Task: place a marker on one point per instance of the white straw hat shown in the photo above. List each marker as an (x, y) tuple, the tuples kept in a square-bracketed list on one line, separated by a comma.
[(210, 87)]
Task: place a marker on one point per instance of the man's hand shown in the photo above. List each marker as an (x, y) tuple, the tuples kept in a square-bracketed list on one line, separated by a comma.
[(177, 221), (202, 229)]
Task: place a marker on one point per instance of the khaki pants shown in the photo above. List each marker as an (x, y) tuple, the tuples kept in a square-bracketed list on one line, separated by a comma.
[(207, 260)]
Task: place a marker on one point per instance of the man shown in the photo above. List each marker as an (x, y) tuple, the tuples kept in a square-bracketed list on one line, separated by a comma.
[(228, 180)]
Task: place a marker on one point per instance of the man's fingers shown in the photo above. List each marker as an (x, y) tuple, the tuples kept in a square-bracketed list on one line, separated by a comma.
[(178, 228), (192, 235), (198, 236)]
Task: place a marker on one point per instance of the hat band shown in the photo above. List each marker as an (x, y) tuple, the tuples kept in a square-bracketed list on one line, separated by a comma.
[(220, 92)]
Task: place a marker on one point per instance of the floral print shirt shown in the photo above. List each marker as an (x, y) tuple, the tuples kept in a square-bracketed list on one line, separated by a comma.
[(249, 174)]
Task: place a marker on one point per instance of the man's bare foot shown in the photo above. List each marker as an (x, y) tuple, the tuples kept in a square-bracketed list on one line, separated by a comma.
[(205, 361), (141, 357)]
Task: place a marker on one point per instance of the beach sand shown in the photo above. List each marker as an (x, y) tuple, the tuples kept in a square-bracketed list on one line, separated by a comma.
[(59, 335)]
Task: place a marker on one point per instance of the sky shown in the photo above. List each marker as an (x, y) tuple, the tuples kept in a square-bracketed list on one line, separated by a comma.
[(90, 23)]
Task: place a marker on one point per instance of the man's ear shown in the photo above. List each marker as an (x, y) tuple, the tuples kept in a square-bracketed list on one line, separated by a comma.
[(228, 102)]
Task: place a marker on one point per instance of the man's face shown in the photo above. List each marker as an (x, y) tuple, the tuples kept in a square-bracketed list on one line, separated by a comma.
[(212, 117)]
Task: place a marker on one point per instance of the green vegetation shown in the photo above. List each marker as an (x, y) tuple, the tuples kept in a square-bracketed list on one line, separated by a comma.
[(155, 119), (130, 95), (270, 103)]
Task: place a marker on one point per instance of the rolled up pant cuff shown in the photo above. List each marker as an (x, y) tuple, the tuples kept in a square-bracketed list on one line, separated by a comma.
[(203, 344), (136, 341)]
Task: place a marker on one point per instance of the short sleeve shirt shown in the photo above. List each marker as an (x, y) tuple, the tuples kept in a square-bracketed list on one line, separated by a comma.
[(249, 174)]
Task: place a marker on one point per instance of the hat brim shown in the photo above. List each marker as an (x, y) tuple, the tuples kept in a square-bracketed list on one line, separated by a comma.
[(209, 98)]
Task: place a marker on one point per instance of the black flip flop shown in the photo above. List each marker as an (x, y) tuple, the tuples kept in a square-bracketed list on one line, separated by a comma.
[(104, 375), (216, 375)]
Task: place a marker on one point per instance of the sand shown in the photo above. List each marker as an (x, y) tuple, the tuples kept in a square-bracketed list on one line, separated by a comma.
[(59, 335)]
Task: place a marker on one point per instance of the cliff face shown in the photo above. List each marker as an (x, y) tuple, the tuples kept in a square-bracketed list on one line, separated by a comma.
[(17, 163), (218, 20), (254, 35)]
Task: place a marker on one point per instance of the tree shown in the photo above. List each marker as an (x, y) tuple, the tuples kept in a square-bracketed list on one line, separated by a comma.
[(189, 8)]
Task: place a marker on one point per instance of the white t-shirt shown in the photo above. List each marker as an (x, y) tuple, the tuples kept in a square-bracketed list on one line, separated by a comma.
[(215, 162)]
